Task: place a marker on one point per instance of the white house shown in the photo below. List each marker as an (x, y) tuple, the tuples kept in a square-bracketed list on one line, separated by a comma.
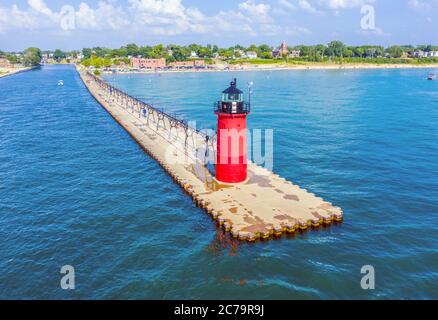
[(294, 54), (419, 54), (193, 54), (251, 54)]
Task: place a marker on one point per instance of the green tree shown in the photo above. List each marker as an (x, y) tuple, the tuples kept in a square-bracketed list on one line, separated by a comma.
[(12, 58), (335, 49), (395, 51), (121, 52), (59, 55), (101, 52), (359, 52), (32, 56), (266, 55), (265, 48), (132, 50), (86, 52), (348, 53)]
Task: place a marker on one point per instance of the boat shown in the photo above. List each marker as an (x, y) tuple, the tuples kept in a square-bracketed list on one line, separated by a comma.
[(60, 82), (431, 76)]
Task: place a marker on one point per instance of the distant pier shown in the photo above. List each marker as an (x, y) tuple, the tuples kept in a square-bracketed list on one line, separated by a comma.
[(264, 207)]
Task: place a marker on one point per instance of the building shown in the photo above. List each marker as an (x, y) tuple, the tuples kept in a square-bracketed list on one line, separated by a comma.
[(187, 64), (419, 54), (404, 55), (141, 63), (251, 54), (281, 51), (193, 55), (425, 54), (238, 53), (295, 54), (4, 63)]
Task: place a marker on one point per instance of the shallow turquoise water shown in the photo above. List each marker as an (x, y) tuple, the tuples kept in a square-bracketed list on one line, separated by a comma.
[(75, 189)]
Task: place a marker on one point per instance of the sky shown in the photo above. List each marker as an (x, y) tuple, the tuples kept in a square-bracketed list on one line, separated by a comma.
[(75, 24)]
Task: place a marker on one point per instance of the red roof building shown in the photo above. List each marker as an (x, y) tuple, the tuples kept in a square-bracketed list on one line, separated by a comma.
[(281, 51), (141, 63)]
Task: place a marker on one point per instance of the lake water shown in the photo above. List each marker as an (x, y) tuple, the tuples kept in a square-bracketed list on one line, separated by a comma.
[(76, 190)]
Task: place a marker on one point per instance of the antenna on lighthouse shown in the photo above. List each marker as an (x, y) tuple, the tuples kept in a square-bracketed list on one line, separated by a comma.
[(250, 84)]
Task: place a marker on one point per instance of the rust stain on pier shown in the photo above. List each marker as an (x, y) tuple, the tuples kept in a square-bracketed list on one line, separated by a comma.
[(264, 207)]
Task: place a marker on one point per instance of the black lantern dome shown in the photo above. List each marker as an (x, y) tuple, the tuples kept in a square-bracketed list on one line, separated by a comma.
[(232, 101)]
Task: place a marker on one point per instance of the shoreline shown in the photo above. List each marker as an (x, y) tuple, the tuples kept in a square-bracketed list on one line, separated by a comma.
[(286, 68), (11, 72)]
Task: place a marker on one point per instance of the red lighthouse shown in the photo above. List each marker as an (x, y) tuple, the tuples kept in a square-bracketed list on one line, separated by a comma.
[(231, 160)]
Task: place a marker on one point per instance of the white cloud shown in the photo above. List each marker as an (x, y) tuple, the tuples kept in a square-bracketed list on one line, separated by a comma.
[(13, 18), (376, 32), (287, 4), (344, 4), (256, 11), (150, 17), (168, 8), (166, 17), (296, 31), (306, 6), (417, 4), (40, 7), (104, 17)]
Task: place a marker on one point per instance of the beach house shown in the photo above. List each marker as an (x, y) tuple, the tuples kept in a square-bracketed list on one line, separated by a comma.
[(295, 54), (142, 63), (251, 54), (187, 64)]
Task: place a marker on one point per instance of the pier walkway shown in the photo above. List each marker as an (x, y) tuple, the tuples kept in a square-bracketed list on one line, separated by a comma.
[(265, 206)]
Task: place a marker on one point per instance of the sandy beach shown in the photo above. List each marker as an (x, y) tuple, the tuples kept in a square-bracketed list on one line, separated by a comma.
[(279, 67), (4, 72)]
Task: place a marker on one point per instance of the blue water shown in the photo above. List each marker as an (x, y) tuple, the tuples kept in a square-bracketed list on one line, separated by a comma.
[(75, 189)]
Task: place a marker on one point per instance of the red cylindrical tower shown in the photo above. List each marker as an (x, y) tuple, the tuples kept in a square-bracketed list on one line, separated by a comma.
[(231, 160)]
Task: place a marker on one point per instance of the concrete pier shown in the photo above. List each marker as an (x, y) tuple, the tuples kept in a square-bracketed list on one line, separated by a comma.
[(265, 206)]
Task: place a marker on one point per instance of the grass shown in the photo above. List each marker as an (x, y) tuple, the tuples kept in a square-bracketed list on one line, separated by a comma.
[(329, 61), (256, 61)]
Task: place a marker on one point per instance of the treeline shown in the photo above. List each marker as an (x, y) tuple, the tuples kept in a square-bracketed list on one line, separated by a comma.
[(312, 53), (337, 49), (174, 52), (333, 51), (30, 57)]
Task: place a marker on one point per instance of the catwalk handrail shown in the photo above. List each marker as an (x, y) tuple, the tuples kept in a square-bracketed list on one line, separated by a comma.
[(180, 121)]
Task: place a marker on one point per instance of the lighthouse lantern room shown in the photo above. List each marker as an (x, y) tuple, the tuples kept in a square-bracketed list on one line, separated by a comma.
[(231, 159)]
